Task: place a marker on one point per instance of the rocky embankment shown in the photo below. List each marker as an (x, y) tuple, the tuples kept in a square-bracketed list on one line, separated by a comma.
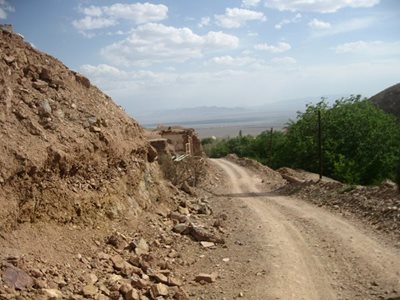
[(68, 152), (377, 206), (85, 210), (123, 264)]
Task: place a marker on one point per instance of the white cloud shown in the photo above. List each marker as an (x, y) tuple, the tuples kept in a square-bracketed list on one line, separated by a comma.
[(5, 8), (284, 22), (97, 17), (286, 60), (321, 6), (90, 23), (235, 87), (93, 11), (318, 24), (102, 70), (278, 48), (233, 61), (155, 43), (250, 3), (345, 26), (370, 48), (114, 80), (238, 17), (205, 21), (252, 33), (137, 12)]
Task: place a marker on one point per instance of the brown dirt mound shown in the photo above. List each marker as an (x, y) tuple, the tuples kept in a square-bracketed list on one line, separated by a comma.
[(301, 175), (379, 207), (68, 152), (270, 177)]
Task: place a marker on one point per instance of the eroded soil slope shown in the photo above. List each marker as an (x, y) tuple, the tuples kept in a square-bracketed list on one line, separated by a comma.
[(68, 152)]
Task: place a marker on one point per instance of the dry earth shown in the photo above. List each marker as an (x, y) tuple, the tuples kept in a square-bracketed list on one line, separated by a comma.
[(284, 248)]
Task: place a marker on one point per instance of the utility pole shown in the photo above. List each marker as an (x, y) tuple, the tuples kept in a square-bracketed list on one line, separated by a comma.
[(320, 144), (270, 145)]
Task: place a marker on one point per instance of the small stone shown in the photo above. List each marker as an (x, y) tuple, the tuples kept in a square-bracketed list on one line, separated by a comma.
[(209, 278), (181, 295), (36, 273), (201, 234), (158, 290), (89, 290), (52, 294), (103, 256), (9, 59), (91, 278), (92, 120), (181, 228), (118, 262), (173, 281), (179, 217), (95, 129), (17, 278), (183, 210), (241, 294), (207, 244), (142, 247), (159, 277), (45, 109), (117, 240), (82, 80), (187, 189), (204, 209), (125, 288), (139, 283), (45, 75), (39, 84), (39, 283), (133, 294), (226, 259)]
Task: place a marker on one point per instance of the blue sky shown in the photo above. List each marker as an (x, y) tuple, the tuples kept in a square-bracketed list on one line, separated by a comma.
[(168, 54)]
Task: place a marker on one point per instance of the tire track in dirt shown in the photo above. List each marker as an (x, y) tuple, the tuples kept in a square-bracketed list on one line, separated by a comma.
[(293, 272), (308, 252)]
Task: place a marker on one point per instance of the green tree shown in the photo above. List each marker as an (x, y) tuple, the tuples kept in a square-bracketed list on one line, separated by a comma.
[(360, 142)]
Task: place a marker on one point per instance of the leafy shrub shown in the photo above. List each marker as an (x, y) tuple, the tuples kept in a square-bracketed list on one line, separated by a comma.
[(361, 143)]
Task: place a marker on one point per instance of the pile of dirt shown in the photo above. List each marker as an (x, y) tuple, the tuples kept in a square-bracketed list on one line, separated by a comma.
[(270, 177), (68, 153), (150, 261), (388, 100), (378, 206)]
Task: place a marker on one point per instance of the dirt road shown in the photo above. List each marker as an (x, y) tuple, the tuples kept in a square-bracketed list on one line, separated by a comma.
[(308, 252)]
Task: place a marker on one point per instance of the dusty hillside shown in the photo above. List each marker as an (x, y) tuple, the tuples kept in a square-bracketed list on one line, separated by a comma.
[(389, 100), (68, 152)]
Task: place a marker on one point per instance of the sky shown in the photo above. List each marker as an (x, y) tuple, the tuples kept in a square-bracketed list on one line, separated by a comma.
[(170, 54)]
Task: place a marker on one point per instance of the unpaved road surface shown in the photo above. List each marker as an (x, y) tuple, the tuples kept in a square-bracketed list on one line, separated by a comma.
[(308, 252)]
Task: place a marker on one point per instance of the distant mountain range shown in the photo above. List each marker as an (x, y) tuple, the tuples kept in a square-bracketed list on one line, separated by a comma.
[(275, 114)]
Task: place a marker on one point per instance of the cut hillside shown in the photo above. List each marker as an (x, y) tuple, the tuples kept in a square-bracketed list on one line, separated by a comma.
[(68, 153), (388, 100)]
